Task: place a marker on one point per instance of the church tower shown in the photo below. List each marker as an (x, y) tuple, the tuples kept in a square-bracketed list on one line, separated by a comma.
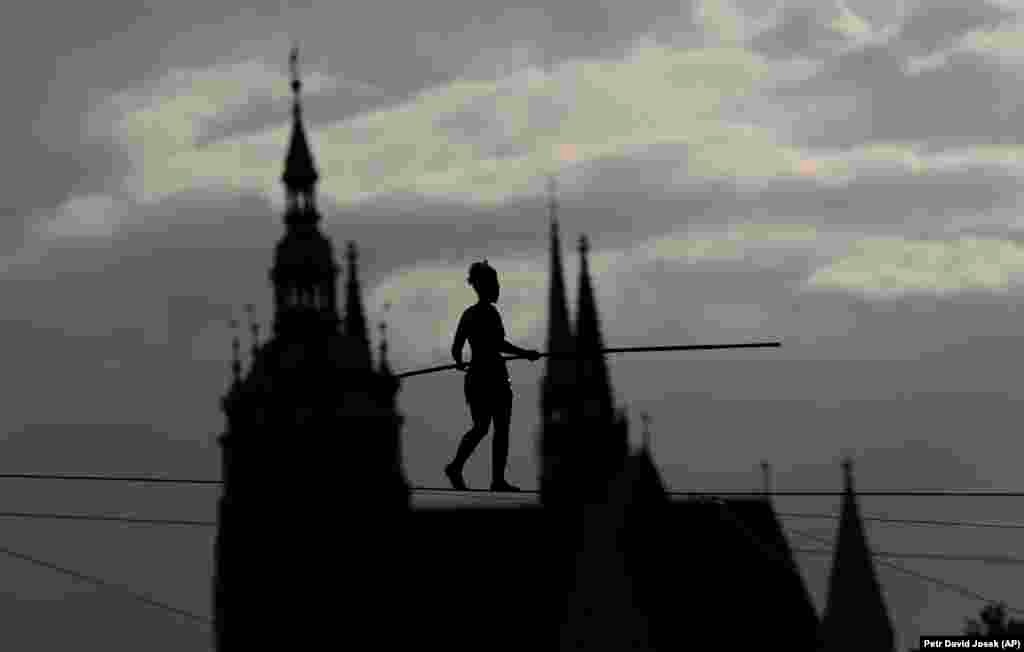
[(311, 457)]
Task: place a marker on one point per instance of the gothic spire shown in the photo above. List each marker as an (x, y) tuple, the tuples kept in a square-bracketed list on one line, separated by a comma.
[(355, 317), (607, 440), (855, 613), (559, 337), (558, 384), (300, 173), (594, 383)]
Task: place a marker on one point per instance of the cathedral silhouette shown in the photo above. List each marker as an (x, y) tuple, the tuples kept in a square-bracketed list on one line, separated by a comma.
[(318, 542)]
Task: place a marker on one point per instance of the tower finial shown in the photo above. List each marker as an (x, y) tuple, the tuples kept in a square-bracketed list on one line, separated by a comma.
[(584, 244), (300, 173), (552, 188), (293, 64), (847, 465)]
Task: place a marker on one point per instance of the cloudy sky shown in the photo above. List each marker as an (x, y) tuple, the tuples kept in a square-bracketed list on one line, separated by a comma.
[(838, 175)]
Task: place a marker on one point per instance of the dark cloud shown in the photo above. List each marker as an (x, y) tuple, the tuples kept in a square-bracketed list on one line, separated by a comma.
[(323, 108), (966, 99), (936, 24), (910, 204), (434, 42), (880, 13), (801, 31)]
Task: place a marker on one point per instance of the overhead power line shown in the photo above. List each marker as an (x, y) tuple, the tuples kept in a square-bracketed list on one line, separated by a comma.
[(425, 489), (962, 590), (102, 583), (105, 478), (928, 556), (760, 494), (915, 521), (113, 519), (213, 523), (773, 553)]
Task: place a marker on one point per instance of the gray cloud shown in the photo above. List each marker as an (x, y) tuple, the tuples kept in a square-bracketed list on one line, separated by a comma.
[(938, 23), (967, 98), (801, 31), (913, 204)]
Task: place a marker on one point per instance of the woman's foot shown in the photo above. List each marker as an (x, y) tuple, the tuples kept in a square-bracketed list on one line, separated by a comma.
[(502, 485), (455, 477)]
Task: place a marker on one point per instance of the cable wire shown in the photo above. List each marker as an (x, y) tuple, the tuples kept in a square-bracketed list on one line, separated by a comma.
[(927, 556), (426, 489), (105, 478), (914, 521), (145, 599), (761, 494), (939, 582), (213, 523), (103, 518)]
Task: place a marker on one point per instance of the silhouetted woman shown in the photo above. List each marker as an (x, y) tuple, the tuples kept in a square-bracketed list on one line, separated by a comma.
[(487, 385)]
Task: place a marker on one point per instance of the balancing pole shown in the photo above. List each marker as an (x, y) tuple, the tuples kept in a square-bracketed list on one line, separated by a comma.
[(629, 349)]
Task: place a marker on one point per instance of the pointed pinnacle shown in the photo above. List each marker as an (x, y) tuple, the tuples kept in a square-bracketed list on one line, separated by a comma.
[(293, 64), (847, 465), (766, 477)]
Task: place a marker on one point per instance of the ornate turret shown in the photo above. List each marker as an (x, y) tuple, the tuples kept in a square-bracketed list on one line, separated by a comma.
[(304, 274), (299, 170)]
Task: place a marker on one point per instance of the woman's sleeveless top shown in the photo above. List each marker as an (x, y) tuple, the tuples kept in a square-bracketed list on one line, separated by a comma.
[(486, 334)]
